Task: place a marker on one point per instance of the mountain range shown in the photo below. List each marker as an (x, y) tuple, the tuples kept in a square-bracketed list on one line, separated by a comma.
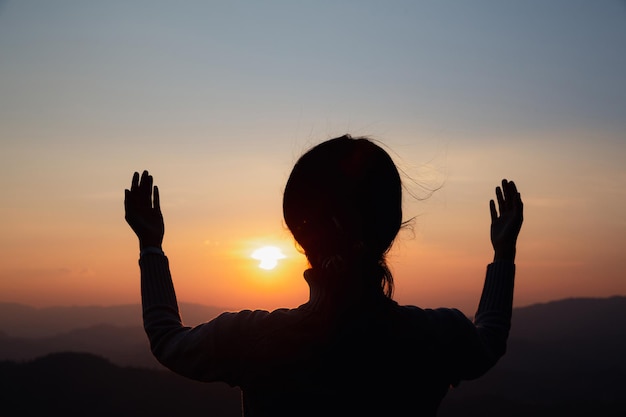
[(566, 357)]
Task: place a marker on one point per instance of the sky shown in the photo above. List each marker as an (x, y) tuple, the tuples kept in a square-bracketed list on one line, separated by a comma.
[(218, 99)]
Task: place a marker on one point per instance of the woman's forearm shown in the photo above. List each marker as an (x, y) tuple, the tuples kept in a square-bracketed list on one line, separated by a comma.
[(493, 317)]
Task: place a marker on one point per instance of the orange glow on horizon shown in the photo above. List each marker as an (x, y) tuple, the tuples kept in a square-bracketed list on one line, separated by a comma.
[(86, 255)]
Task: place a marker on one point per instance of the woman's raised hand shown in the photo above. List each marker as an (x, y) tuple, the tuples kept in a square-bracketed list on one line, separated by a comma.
[(506, 225), (143, 211)]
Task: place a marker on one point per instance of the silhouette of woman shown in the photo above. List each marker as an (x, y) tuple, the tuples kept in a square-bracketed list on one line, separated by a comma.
[(350, 349)]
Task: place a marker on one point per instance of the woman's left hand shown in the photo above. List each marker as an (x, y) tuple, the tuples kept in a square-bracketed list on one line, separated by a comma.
[(506, 226), (143, 211)]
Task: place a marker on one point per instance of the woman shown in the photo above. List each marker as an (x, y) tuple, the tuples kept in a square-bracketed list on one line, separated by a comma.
[(351, 349)]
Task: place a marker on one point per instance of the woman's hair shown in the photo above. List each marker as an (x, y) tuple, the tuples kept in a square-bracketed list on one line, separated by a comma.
[(343, 205)]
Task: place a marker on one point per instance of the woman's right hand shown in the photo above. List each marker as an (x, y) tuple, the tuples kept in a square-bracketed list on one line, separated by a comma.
[(143, 212), (506, 226)]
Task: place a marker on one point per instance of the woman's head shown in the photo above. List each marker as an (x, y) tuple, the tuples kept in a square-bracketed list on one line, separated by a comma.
[(343, 204)]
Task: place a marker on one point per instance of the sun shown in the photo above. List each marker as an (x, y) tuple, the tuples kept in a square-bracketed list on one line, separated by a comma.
[(268, 256)]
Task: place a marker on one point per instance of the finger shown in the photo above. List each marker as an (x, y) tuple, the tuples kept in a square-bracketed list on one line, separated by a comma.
[(157, 199), (513, 196), (149, 181), (146, 187), (145, 176), (510, 191), (513, 188), (492, 209), (134, 184), (128, 204), (505, 190), (500, 198), (519, 205)]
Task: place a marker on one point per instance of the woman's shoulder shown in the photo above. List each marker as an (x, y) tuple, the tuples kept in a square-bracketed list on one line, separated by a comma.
[(438, 320), (262, 320)]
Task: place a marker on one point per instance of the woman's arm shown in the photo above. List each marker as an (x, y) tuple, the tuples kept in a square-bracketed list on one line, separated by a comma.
[(207, 352), (196, 352), (479, 345), (493, 317)]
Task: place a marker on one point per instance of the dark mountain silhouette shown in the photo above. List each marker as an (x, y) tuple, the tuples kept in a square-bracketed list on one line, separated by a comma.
[(125, 346), (577, 332), (114, 332), (79, 384), (565, 357), (18, 320)]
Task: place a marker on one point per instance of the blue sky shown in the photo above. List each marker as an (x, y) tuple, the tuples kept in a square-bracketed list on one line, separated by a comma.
[(474, 67)]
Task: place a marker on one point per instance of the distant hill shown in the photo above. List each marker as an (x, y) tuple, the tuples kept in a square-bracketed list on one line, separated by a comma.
[(589, 332), (125, 346), (566, 357), (18, 320), (79, 385), (114, 332)]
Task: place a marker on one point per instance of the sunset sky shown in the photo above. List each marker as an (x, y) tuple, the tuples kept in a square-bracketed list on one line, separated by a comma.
[(217, 99)]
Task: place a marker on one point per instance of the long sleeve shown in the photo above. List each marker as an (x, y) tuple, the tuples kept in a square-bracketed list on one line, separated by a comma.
[(161, 317), (208, 352), (493, 317)]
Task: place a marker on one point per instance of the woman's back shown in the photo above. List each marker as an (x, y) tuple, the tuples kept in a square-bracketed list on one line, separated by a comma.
[(368, 358), (340, 352)]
